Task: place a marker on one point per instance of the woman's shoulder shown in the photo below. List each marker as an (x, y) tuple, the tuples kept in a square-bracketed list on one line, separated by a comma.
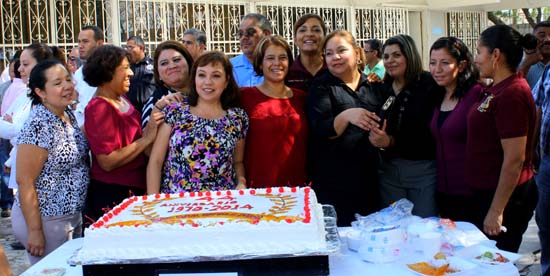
[(324, 79), (297, 92), (237, 112), (248, 92), (40, 123), (98, 102), (178, 109)]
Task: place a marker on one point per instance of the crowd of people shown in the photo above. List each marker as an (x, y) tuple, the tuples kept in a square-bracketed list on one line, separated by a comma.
[(363, 125)]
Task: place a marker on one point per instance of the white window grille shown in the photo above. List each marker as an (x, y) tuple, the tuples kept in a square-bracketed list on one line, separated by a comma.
[(58, 22), (466, 25)]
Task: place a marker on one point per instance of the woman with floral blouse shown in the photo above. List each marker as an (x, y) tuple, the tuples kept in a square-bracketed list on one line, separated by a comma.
[(201, 144)]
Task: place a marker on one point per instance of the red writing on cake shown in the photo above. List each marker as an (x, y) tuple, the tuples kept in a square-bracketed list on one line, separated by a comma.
[(178, 208)]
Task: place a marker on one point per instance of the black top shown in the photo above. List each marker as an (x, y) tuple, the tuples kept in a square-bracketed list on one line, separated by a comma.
[(343, 169), (409, 119), (443, 115), (160, 92), (142, 84)]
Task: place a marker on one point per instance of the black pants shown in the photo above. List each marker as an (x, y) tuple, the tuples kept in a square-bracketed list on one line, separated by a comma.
[(516, 217), (456, 207), (102, 197)]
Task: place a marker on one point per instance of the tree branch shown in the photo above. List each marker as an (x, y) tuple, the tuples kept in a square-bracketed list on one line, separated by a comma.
[(529, 17), (495, 19)]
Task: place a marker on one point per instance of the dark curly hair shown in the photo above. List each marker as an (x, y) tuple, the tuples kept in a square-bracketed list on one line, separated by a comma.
[(460, 52), (259, 52), (102, 63), (176, 46), (38, 78), (230, 96)]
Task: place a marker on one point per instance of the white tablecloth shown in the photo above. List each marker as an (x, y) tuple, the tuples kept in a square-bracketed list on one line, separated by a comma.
[(342, 263)]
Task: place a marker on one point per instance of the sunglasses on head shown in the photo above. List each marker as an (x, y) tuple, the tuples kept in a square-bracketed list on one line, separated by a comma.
[(248, 33)]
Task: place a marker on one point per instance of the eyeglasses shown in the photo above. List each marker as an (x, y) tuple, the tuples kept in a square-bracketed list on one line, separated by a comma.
[(71, 58), (249, 33), (368, 51)]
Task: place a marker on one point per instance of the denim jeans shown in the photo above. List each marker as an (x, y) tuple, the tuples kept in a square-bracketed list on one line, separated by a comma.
[(542, 214), (6, 194)]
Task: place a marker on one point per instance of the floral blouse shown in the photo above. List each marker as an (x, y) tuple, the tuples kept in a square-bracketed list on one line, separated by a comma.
[(62, 184), (200, 151)]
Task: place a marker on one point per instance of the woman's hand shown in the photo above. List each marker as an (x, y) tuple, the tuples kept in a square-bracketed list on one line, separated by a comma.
[(362, 118), (492, 224), (169, 99), (8, 118), (379, 138), (240, 186), (373, 77), (35, 242)]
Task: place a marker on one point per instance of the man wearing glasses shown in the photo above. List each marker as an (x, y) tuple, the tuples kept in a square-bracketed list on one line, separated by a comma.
[(252, 29), (74, 62), (374, 68)]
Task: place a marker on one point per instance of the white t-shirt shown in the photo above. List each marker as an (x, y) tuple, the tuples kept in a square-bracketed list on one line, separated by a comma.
[(85, 94)]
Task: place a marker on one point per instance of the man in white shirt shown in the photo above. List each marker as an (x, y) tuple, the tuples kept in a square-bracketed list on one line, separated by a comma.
[(89, 38), (252, 29)]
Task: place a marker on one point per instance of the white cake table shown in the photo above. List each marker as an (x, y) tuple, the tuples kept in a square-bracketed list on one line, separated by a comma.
[(342, 263)]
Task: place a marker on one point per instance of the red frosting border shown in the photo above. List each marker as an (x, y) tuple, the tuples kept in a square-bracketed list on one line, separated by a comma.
[(127, 202)]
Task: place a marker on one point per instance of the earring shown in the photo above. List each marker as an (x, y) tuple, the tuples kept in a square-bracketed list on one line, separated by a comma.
[(359, 61)]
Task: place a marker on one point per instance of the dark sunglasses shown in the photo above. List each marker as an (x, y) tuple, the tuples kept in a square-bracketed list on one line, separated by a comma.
[(249, 33)]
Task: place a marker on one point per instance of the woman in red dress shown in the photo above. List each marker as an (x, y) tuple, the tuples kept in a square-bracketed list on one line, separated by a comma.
[(275, 153)]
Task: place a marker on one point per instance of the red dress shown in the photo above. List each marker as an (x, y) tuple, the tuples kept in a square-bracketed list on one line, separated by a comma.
[(275, 153)]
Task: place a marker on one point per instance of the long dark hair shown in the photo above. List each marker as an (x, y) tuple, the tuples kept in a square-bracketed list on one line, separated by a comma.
[(459, 51), (408, 49)]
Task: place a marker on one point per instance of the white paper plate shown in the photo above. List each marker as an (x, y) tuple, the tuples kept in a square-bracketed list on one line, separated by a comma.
[(470, 254), (454, 263)]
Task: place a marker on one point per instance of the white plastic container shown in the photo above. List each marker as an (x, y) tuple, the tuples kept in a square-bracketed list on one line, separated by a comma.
[(382, 244), (385, 254)]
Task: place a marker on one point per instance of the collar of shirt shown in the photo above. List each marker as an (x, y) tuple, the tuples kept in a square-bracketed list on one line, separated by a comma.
[(241, 61)]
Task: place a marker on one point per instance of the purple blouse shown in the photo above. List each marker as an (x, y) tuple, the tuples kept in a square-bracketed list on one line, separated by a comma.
[(451, 145)]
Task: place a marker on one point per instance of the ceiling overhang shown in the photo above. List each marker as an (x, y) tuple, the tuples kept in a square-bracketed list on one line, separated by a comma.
[(483, 5)]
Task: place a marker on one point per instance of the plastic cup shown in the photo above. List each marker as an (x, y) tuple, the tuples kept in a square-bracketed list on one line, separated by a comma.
[(429, 243)]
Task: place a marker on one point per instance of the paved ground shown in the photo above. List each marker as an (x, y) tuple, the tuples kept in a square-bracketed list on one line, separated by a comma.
[(529, 264)]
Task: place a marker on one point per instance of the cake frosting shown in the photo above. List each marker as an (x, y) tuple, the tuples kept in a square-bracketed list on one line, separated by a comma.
[(268, 221)]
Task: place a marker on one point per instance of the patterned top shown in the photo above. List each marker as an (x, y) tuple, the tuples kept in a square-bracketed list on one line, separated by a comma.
[(62, 183), (541, 92), (200, 151)]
